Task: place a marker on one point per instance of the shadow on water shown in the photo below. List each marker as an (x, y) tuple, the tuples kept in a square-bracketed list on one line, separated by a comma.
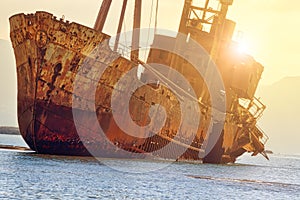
[(243, 181), (62, 158)]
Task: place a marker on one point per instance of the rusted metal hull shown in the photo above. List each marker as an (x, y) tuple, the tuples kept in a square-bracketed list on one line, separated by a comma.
[(49, 53), (58, 135)]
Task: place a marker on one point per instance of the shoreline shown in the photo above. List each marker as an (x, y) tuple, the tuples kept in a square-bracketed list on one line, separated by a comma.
[(12, 147), (7, 130)]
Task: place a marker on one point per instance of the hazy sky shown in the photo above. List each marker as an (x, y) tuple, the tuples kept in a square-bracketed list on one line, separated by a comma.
[(270, 27)]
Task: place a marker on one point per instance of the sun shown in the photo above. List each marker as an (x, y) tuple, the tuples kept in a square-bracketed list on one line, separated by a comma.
[(243, 47)]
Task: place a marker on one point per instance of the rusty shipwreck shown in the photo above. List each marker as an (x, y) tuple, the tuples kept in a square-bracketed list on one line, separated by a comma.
[(49, 53)]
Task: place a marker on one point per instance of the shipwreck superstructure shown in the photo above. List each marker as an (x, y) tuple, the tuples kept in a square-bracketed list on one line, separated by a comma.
[(49, 53)]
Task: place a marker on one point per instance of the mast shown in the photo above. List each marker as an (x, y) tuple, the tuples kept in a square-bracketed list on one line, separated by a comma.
[(185, 15), (220, 27), (136, 32), (120, 25), (191, 14), (102, 15)]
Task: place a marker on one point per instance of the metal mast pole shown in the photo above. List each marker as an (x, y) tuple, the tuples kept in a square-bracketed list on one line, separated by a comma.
[(220, 27), (136, 31), (102, 15), (185, 15), (120, 25)]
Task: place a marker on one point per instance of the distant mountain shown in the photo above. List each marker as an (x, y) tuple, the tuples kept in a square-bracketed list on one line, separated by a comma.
[(281, 120), (9, 130), (8, 85)]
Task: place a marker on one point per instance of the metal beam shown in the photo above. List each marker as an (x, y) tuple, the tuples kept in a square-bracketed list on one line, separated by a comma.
[(120, 25), (136, 31), (102, 15), (205, 8), (185, 15), (219, 31)]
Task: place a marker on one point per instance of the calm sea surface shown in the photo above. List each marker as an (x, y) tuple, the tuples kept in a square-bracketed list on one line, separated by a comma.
[(24, 175)]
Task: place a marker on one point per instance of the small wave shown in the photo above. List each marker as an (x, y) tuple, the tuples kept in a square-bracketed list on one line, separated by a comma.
[(244, 181), (288, 156)]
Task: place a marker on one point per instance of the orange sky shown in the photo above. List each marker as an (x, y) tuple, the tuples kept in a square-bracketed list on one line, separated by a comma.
[(270, 27)]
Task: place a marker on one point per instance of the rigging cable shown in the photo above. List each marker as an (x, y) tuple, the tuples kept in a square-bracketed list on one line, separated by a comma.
[(148, 34), (156, 14), (125, 35)]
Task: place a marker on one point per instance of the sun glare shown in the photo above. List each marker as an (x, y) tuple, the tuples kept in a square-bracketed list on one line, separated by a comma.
[(243, 47)]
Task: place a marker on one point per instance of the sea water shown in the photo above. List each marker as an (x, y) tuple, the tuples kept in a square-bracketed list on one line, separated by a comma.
[(25, 175)]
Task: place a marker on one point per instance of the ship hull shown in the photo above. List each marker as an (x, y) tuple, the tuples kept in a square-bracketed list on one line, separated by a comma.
[(58, 136)]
